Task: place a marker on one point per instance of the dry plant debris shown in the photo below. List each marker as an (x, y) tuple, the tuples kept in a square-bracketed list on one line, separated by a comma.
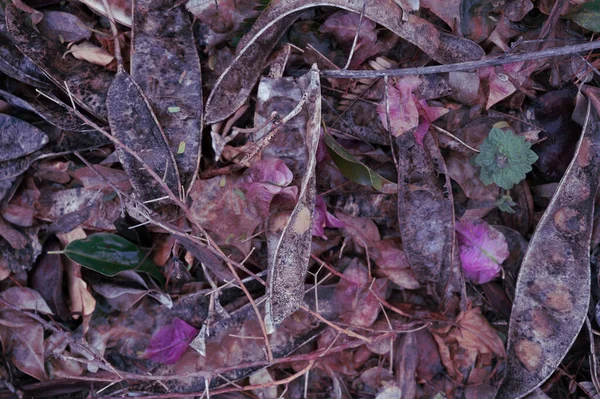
[(303, 199)]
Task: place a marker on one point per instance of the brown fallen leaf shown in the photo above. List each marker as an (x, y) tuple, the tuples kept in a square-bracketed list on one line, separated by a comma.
[(553, 287), (87, 84), (23, 338)]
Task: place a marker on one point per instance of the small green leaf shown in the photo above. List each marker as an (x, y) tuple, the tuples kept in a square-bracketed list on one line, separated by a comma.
[(110, 254), (174, 110), (587, 15), (181, 148), (355, 170), (505, 204)]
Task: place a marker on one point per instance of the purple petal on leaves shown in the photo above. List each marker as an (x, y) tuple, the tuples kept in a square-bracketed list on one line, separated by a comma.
[(268, 178), (273, 171), (170, 342), (482, 250), (404, 114), (323, 219)]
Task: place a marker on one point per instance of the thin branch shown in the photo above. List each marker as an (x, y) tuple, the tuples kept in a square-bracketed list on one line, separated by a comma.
[(464, 66)]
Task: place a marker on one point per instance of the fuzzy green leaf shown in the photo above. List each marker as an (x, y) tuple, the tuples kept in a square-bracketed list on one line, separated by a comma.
[(505, 158)]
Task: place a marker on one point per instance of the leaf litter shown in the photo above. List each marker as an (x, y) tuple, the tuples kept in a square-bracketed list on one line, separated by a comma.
[(302, 248)]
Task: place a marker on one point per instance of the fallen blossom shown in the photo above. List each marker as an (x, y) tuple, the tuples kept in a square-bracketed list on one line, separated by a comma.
[(482, 250), (170, 342)]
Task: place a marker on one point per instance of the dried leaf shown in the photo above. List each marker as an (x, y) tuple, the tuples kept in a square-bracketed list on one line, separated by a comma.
[(88, 84), (63, 27), (553, 288), (267, 179), (292, 254), (19, 138), (91, 53), (482, 250), (26, 299), (134, 124), (55, 114), (23, 341), (168, 72), (234, 85), (15, 64), (120, 9)]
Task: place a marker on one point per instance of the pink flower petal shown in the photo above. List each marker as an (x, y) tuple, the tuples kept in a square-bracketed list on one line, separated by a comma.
[(170, 342), (482, 250), (323, 219), (404, 114)]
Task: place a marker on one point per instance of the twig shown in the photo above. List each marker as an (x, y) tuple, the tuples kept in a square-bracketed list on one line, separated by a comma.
[(336, 327), (464, 66), (360, 21)]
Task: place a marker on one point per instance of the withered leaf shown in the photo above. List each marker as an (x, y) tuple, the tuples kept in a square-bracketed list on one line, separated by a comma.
[(553, 288), (425, 209), (292, 253), (168, 72), (23, 339), (63, 27), (15, 64), (233, 86), (19, 138), (132, 122), (88, 84)]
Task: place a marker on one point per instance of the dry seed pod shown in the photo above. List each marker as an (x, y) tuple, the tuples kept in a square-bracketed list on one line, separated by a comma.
[(553, 287)]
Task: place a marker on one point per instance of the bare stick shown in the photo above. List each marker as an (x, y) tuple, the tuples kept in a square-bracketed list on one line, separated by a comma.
[(465, 66), (360, 21)]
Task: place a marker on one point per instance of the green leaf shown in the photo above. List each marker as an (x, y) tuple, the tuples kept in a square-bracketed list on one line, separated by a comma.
[(587, 16), (505, 158), (110, 254), (355, 170)]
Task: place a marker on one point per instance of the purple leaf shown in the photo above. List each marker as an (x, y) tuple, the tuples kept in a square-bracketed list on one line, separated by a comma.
[(170, 342), (482, 250)]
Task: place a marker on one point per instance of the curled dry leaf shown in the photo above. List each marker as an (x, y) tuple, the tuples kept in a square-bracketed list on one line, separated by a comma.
[(134, 124), (88, 84), (168, 72), (292, 253), (553, 287), (89, 52), (234, 85)]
